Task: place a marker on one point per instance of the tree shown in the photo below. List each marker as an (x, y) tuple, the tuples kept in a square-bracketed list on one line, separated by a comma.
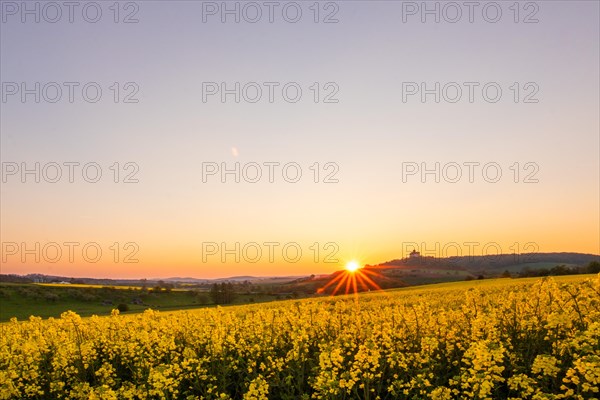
[(561, 270), (222, 293), (593, 267)]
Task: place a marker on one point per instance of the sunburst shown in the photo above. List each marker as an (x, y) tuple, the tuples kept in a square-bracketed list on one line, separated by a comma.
[(352, 279)]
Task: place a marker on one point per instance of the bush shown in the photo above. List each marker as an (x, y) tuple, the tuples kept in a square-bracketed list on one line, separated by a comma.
[(122, 307), (31, 292), (51, 297)]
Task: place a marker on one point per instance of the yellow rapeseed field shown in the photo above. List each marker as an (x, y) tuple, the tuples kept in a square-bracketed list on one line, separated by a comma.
[(519, 339)]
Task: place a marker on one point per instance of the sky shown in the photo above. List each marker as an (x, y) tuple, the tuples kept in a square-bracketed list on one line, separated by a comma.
[(360, 130)]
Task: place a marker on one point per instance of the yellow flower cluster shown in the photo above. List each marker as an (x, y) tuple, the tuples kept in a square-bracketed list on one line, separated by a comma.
[(504, 339)]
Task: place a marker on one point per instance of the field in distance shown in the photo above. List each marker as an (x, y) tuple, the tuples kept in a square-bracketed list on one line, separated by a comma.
[(50, 300)]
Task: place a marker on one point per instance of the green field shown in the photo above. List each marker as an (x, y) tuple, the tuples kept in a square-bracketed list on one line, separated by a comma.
[(50, 300)]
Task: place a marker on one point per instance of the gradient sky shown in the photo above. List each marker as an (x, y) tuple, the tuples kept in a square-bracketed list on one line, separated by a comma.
[(370, 214)]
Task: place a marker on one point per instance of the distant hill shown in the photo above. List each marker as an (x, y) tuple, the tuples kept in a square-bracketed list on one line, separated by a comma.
[(394, 273), (245, 278), (41, 278), (493, 262)]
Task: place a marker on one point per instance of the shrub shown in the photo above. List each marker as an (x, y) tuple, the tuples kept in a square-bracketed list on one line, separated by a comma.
[(51, 297)]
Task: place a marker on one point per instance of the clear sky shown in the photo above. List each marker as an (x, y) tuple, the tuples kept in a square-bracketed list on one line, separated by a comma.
[(366, 61)]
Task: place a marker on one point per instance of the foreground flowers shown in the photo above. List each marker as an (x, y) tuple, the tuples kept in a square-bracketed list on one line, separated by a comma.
[(517, 339)]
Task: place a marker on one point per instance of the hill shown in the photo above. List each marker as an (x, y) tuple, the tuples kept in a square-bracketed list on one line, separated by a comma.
[(490, 265)]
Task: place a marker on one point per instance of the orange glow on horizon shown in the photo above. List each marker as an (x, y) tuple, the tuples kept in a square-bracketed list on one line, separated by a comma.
[(352, 279)]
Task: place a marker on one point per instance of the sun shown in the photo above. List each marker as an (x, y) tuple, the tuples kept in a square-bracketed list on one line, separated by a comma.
[(352, 266), (353, 278)]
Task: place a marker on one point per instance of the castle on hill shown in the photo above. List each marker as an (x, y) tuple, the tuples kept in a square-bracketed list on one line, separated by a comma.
[(414, 254)]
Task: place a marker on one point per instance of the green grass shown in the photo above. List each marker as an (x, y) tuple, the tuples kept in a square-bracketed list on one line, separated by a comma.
[(50, 300), (23, 300)]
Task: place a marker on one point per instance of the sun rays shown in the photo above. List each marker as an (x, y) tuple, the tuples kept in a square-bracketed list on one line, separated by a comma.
[(353, 279)]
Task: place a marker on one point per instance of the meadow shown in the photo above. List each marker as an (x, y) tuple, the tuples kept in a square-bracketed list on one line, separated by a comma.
[(50, 300), (492, 339)]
